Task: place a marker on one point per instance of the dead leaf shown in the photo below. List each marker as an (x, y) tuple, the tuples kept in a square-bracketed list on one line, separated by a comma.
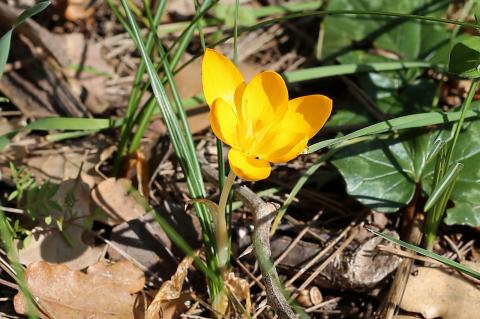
[(58, 167), (112, 195), (169, 300), (66, 293), (74, 10), (435, 293), (144, 240), (90, 69), (124, 273), (240, 290), (49, 244)]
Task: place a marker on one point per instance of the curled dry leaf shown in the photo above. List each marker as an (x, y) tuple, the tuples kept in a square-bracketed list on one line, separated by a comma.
[(240, 290), (435, 293), (66, 293), (169, 300), (49, 244), (112, 195)]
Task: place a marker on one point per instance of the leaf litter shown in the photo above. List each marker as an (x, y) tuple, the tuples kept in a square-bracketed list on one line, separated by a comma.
[(102, 293)]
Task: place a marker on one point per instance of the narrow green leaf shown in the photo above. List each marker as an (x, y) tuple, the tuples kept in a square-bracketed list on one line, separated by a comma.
[(62, 123), (7, 37), (449, 178), (399, 123), (37, 8), (343, 69), (427, 253), (4, 49)]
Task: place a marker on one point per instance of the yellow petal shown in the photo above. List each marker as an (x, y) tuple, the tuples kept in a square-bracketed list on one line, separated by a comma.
[(264, 101), (248, 168), (223, 120), (220, 77), (315, 110), (281, 142)]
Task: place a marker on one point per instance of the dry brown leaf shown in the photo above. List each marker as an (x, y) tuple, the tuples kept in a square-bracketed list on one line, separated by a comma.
[(112, 195), (240, 290), (76, 9), (95, 72), (124, 273), (66, 293), (58, 167), (49, 244), (169, 301), (436, 293)]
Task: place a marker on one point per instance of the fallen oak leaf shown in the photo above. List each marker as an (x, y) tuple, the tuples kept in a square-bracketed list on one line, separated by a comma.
[(66, 293), (112, 196), (169, 300), (123, 273), (436, 293)]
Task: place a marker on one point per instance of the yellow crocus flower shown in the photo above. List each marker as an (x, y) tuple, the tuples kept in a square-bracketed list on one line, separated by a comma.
[(257, 119)]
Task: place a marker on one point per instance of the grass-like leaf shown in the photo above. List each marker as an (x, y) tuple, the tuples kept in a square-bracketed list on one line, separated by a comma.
[(183, 148), (61, 123), (399, 123), (7, 37), (448, 262), (447, 180)]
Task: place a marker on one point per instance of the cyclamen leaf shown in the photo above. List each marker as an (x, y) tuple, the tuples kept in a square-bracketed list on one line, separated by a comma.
[(465, 58), (383, 174)]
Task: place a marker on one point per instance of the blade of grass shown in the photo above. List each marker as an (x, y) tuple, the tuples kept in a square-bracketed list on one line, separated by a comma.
[(185, 153), (137, 92), (7, 37), (61, 123), (458, 126), (7, 240), (399, 123), (448, 179), (298, 186), (344, 69), (448, 262)]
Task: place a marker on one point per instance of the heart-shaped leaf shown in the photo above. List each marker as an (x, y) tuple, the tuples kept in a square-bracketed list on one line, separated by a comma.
[(383, 174)]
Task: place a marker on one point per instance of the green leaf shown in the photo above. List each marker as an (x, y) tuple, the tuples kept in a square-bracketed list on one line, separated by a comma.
[(4, 49), (61, 123), (427, 253), (383, 174), (48, 220), (465, 58), (393, 125), (7, 37), (37, 8), (449, 178), (351, 68), (410, 39), (225, 12)]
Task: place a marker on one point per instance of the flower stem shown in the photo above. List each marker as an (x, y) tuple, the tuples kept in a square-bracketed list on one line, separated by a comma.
[(221, 224)]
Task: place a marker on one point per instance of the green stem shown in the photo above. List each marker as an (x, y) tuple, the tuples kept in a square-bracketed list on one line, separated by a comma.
[(458, 126), (221, 234)]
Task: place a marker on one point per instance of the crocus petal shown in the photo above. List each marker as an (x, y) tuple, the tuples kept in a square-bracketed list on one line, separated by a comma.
[(315, 110), (223, 120), (284, 139), (264, 101), (220, 77), (247, 167)]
